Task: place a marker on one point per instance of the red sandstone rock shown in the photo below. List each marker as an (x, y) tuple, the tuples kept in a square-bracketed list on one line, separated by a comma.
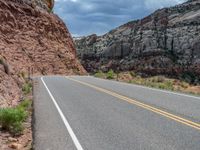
[(35, 42)]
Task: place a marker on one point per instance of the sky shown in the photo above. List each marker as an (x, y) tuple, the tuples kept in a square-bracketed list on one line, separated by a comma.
[(85, 17)]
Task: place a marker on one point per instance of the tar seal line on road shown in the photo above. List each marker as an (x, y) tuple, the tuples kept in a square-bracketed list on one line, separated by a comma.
[(145, 106), (73, 136)]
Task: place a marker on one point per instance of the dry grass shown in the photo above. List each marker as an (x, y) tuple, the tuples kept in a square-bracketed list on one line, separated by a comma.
[(159, 82)]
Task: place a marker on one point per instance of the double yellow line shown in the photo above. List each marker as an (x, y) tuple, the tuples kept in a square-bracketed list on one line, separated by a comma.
[(145, 106)]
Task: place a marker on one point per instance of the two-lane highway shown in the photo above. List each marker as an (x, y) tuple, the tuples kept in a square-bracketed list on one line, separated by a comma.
[(95, 114)]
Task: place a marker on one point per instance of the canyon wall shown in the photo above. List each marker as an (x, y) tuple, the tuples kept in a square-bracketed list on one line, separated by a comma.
[(33, 42), (166, 42)]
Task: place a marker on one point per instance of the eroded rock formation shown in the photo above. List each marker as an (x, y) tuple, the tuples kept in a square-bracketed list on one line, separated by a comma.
[(32, 42), (165, 42)]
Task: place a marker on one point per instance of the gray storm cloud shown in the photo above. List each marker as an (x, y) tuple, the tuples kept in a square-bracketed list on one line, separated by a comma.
[(85, 17)]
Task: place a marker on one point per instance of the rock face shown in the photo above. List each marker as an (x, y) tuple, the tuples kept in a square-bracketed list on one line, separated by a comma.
[(32, 42), (165, 42)]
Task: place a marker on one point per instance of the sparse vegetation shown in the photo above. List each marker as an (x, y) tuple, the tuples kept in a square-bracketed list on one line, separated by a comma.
[(99, 74), (50, 10), (159, 82), (110, 74), (27, 88), (50, 5), (22, 75), (11, 119), (25, 104)]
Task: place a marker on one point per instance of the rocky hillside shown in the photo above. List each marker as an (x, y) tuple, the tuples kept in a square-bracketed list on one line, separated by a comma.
[(165, 42), (32, 42)]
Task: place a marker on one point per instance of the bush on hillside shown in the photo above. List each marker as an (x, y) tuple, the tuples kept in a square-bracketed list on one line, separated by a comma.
[(11, 119), (110, 74), (27, 88), (99, 74)]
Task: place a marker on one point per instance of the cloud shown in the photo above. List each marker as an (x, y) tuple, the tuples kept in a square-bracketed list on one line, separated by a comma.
[(155, 4), (85, 17)]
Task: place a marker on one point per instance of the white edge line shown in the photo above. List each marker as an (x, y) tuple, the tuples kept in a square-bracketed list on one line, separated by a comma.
[(153, 89), (73, 136)]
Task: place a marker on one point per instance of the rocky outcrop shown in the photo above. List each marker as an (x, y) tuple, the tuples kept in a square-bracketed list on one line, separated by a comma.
[(165, 42), (46, 5), (32, 42)]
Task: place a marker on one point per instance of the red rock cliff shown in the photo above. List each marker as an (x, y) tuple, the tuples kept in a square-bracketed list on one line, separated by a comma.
[(32, 41)]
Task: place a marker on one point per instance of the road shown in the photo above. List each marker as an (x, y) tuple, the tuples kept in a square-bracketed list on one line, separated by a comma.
[(87, 113)]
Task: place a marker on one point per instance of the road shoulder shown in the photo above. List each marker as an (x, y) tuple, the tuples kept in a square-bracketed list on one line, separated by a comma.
[(49, 130)]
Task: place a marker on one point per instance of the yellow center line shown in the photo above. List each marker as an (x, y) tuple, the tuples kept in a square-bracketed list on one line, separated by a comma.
[(143, 105)]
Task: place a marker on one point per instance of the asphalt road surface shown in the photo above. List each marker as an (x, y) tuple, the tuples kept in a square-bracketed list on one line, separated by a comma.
[(87, 113)]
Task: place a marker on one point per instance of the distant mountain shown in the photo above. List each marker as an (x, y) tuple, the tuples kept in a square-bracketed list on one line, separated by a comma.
[(165, 42)]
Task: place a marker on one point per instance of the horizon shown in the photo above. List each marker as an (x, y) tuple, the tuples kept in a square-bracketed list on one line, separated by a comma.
[(88, 17)]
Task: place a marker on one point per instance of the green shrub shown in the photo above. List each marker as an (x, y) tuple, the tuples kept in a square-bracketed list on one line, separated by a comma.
[(110, 74), (170, 85), (167, 85), (11, 119), (99, 74), (17, 128), (161, 86), (155, 82), (27, 88), (25, 104)]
